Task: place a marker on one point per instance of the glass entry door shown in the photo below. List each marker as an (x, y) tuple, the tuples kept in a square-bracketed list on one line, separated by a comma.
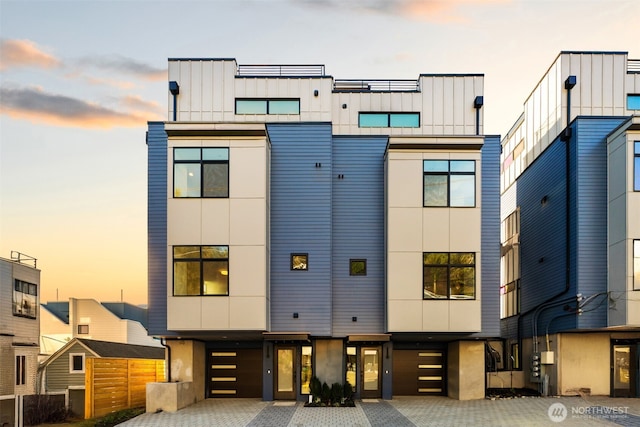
[(624, 367), (370, 372), (285, 370)]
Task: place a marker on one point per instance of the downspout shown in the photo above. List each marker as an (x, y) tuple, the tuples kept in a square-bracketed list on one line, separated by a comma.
[(477, 104), (569, 83), (174, 88), (164, 344)]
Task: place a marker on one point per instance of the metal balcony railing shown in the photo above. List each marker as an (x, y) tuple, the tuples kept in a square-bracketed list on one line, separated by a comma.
[(633, 65), (280, 70), (376, 86)]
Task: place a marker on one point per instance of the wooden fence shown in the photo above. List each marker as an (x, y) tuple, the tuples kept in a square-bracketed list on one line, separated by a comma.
[(115, 384)]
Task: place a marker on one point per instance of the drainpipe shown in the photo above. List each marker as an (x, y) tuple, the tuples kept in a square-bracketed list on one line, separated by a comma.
[(477, 104), (164, 343), (174, 88), (569, 83)]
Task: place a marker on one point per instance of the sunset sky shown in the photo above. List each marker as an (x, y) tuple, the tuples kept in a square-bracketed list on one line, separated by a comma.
[(80, 79)]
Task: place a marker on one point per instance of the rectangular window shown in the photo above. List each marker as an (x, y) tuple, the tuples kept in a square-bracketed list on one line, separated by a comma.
[(449, 183), (21, 370), (25, 299), (352, 367), (633, 102), (200, 270), (83, 329), (449, 275), (636, 265), (307, 369), (389, 120), (201, 172), (76, 363), (267, 106), (510, 264), (299, 261), (357, 267), (636, 166)]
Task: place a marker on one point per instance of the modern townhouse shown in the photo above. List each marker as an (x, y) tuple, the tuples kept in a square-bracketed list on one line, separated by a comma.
[(19, 332), (570, 212), (301, 225)]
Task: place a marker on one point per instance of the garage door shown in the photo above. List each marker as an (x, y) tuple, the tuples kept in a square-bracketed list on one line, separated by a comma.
[(418, 372), (235, 373)]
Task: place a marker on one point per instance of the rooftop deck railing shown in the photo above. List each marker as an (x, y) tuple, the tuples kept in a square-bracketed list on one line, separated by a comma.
[(281, 70), (376, 86), (633, 65)]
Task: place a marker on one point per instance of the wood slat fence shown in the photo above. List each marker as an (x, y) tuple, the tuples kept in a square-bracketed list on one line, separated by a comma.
[(115, 384)]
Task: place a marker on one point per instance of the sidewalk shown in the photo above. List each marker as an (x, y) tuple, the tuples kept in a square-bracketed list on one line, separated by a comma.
[(403, 411)]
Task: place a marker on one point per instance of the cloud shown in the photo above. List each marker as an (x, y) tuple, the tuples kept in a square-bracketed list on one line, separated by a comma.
[(25, 53), (37, 106), (439, 11), (125, 65), (136, 103)]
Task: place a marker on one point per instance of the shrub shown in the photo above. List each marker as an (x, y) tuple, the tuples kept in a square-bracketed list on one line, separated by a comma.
[(44, 408), (315, 386), (347, 391), (336, 394), (326, 394)]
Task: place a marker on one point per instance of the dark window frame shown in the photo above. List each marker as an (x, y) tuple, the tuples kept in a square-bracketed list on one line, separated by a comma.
[(448, 174), (353, 261), (449, 265), (293, 264), (25, 299), (83, 329), (202, 164), (202, 262), (21, 369), (267, 102), (389, 115)]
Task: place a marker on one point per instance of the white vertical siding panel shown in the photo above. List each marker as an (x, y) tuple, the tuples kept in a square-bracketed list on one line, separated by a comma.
[(207, 90), (608, 84), (469, 116), (426, 86), (459, 103), (448, 101), (184, 99), (229, 84), (619, 73), (385, 101), (544, 113), (597, 85), (196, 93), (438, 105)]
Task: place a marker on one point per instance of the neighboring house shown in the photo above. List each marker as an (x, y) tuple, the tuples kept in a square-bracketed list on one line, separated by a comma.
[(60, 321), (19, 331), (64, 371), (570, 193), (301, 225)]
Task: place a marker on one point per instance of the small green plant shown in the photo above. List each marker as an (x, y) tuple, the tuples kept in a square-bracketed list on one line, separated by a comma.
[(326, 394), (315, 387), (347, 392), (336, 394), (118, 417)]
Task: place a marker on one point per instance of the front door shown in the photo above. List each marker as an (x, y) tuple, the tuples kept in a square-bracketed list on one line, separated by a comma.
[(285, 380), (623, 377), (370, 373)]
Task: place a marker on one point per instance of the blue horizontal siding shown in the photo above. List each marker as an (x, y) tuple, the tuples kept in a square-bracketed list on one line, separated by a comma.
[(157, 228), (358, 233), (301, 223)]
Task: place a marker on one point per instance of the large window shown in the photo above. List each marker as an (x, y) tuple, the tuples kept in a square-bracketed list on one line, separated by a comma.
[(25, 299), (636, 166), (636, 265), (633, 102), (449, 275), (200, 172), (389, 120), (510, 282), (200, 270), (267, 106), (307, 369), (449, 183)]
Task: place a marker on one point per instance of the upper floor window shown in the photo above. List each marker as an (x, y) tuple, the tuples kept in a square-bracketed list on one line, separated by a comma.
[(201, 270), (510, 251), (83, 329), (389, 120), (25, 299), (633, 102), (449, 183), (200, 172), (636, 166), (299, 261), (449, 275), (267, 106), (21, 370), (357, 267)]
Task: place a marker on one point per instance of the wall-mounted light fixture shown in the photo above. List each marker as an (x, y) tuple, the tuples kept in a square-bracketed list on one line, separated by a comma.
[(344, 106), (477, 104), (544, 200), (295, 315), (354, 319), (315, 92)]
